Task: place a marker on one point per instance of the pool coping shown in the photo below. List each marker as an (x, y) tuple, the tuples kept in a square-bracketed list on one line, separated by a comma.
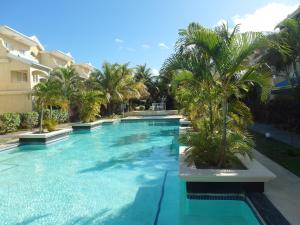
[(43, 138), (151, 117)]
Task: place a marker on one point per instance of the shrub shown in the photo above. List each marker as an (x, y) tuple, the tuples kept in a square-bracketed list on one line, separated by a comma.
[(29, 119), (60, 116), (50, 124), (89, 103), (10, 122)]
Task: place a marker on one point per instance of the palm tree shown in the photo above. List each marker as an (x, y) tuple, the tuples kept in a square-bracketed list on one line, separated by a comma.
[(69, 81), (220, 60), (117, 83), (47, 94), (143, 74), (285, 53)]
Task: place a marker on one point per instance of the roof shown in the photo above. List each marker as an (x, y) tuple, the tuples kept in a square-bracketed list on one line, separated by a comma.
[(29, 62), (60, 54), (16, 35), (85, 65)]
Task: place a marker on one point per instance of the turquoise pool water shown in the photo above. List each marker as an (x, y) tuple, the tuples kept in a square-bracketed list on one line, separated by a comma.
[(113, 176)]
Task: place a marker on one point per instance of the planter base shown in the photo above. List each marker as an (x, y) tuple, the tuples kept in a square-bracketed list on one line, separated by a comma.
[(248, 180), (224, 187), (44, 138)]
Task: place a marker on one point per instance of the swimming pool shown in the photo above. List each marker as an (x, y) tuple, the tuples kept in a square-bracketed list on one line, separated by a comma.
[(124, 173)]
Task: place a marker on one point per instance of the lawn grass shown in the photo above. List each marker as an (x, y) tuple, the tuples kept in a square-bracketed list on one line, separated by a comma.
[(282, 153)]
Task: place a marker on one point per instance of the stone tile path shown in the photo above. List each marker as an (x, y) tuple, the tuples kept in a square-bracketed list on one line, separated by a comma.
[(284, 190)]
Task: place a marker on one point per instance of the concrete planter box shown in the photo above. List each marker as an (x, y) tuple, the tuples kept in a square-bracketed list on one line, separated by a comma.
[(185, 123), (183, 130), (248, 180), (86, 126), (91, 125), (44, 138)]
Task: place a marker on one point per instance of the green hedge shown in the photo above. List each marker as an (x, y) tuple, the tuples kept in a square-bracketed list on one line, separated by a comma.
[(29, 120), (9, 122)]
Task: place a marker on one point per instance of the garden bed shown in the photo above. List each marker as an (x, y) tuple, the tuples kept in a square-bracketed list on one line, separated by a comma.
[(281, 153), (251, 179), (44, 138)]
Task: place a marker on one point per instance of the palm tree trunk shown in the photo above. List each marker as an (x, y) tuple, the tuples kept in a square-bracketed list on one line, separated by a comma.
[(42, 117), (224, 131), (210, 109), (50, 111)]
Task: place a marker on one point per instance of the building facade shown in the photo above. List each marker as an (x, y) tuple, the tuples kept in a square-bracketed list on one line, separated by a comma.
[(23, 64)]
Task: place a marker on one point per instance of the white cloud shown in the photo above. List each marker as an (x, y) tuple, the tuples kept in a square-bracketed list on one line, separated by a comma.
[(126, 48), (163, 45), (145, 46), (221, 21), (118, 40), (155, 72), (265, 18), (130, 49)]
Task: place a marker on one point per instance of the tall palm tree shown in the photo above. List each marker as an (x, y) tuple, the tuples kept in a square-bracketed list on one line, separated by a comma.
[(48, 94), (69, 80), (221, 59), (285, 53), (143, 74)]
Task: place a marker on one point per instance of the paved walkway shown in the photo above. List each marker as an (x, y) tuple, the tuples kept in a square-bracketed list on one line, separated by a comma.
[(280, 135), (284, 190)]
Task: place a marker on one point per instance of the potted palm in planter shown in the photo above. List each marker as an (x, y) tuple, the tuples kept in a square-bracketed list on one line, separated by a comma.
[(213, 70), (46, 95)]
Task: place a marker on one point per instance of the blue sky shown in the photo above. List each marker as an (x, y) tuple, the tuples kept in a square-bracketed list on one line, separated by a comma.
[(135, 31)]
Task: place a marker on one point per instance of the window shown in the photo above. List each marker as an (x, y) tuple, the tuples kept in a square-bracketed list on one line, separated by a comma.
[(18, 76)]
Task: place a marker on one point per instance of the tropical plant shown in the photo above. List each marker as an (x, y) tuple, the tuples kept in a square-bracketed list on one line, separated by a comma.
[(144, 74), (117, 83), (89, 103), (285, 52), (50, 124), (68, 81), (48, 94), (213, 70)]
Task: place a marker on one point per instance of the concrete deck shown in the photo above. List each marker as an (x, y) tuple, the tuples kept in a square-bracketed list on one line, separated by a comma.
[(284, 190)]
